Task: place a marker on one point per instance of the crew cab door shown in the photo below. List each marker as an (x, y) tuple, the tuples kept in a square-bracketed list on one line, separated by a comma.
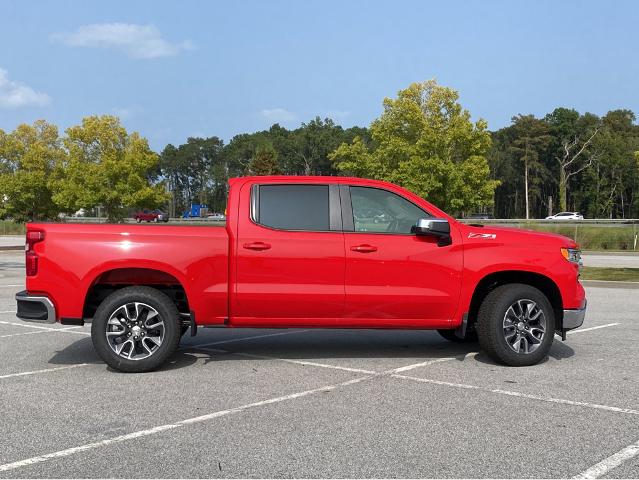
[(290, 256), (395, 278)]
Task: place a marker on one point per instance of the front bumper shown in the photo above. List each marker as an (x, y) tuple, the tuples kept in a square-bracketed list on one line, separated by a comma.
[(574, 318), (35, 308)]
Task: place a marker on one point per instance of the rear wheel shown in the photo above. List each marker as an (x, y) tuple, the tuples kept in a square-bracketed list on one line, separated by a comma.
[(516, 325), (136, 329)]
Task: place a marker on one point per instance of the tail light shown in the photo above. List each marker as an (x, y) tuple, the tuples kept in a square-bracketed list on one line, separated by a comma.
[(31, 257)]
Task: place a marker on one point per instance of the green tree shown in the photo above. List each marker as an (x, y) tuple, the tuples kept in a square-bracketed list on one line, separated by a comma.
[(518, 157), (28, 157), (312, 144), (532, 139), (573, 149), (241, 149), (264, 161), (303, 151), (196, 171), (107, 166), (426, 142)]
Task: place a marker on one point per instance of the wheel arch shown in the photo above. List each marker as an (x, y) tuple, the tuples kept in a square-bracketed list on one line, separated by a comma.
[(116, 278), (495, 279)]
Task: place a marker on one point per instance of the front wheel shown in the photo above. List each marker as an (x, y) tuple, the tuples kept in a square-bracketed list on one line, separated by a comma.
[(516, 325), (136, 329)]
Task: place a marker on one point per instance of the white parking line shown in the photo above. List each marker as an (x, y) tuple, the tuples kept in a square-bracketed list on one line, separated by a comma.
[(289, 360), (422, 364), (39, 331), (13, 285), (26, 325), (325, 365), (612, 462), (45, 370), (581, 330), (152, 431), (522, 395)]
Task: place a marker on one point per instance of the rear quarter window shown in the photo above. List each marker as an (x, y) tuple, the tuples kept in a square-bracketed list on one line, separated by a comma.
[(294, 207)]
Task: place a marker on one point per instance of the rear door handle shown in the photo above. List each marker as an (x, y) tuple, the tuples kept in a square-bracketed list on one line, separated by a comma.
[(259, 246), (365, 248)]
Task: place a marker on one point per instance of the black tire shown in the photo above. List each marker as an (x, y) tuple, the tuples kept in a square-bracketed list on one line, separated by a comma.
[(491, 330), (471, 336), (166, 311)]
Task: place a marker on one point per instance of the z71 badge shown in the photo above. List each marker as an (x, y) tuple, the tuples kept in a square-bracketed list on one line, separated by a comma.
[(485, 236)]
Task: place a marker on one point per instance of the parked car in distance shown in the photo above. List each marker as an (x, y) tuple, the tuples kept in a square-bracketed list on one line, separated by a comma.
[(304, 252), (147, 215), (220, 217), (566, 216)]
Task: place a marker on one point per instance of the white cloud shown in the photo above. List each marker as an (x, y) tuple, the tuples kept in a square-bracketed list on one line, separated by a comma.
[(14, 94), (137, 41), (278, 115)]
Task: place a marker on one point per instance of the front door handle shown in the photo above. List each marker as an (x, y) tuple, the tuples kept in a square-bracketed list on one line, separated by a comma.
[(365, 248), (259, 246)]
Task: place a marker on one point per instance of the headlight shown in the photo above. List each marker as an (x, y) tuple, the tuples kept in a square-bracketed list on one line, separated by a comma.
[(573, 255)]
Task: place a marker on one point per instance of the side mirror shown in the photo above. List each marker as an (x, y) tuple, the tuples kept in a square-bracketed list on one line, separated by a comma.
[(434, 227)]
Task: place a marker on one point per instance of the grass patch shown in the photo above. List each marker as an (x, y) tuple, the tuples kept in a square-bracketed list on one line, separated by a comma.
[(613, 274), (593, 237), (8, 227), (588, 236)]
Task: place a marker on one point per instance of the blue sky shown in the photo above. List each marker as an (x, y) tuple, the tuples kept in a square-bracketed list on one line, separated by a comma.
[(173, 69)]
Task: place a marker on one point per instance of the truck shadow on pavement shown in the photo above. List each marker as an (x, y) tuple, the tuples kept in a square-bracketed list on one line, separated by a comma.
[(324, 345)]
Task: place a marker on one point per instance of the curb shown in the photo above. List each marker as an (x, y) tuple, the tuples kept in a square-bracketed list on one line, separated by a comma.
[(11, 247), (609, 284)]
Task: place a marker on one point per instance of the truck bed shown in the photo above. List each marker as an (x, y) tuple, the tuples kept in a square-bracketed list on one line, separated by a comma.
[(80, 257)]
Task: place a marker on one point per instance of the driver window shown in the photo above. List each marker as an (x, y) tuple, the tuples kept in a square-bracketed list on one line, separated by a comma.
[(381, 211)]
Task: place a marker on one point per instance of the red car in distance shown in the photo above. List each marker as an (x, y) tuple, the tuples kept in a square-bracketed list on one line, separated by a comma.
[(147, 215)]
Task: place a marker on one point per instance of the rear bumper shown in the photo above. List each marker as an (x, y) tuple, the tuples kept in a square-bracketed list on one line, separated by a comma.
[(35, 308), (574, 318)]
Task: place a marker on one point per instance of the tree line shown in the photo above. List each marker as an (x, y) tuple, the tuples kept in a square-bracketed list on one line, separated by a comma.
[(423, 140), (567, 161)]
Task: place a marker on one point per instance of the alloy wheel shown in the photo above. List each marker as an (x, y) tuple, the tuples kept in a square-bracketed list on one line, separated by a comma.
[(135, 331), (524, 326)]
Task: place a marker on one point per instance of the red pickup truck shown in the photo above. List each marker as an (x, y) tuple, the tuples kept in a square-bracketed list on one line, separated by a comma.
[(326, 252)]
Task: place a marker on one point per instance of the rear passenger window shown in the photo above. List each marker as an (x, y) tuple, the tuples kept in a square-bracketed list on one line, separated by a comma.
[(294, 207)]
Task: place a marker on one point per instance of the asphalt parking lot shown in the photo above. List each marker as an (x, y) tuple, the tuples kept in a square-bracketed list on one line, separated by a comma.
[(330, 403)]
